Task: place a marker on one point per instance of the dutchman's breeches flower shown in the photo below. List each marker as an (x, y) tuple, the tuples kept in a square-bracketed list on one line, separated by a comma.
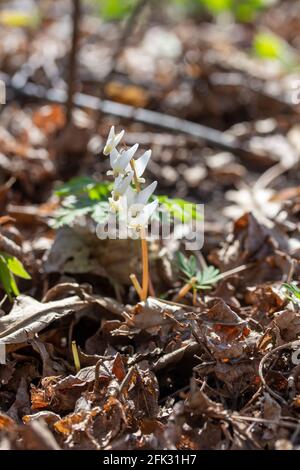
[(121, 184), (139, 219), (119, 162), (128, 200)]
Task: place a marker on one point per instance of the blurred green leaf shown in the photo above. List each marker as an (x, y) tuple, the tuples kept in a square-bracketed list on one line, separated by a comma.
[(217, 6), (292, 292), (180, 209), (75, 186), (10, 266), (269, 46), (114, 9), (19, 19), (15, 266), (244, 11), (84, 196), (241, 10)]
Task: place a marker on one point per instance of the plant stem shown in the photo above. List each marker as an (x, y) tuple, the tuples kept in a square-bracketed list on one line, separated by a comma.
[(145, 256), (73, 59), (194, 296), (136, 285), (76, 356), (185, 289), (151, 287), (145, 264), (135, 177)]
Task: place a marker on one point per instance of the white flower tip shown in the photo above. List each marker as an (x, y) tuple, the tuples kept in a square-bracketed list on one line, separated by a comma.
[(154, 185), (113, 140), (107, 150), (142, 162)]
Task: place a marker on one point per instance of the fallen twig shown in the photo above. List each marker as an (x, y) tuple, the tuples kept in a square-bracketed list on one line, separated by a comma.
[(213, 137), (278, 397), (10, 247), (73, 59)]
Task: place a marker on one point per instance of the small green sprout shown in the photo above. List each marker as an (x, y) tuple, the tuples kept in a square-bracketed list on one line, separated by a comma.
[(205, 278), (292, 293)]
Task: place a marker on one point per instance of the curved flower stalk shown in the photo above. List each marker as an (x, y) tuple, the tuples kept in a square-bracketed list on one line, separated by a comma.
[(129, 200)]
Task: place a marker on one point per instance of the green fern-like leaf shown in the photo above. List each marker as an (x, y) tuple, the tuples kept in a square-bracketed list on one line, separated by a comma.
[(206, 278), (85, 196)]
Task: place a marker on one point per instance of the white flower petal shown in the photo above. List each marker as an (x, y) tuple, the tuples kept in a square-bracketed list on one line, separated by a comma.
[(112, 141), (127, 155), (150, 209), (121, 184), (143, 217), (118, 205), (130, 194), (142, 162), (113, 157), (111, 134), (119, 137), (145, 194)]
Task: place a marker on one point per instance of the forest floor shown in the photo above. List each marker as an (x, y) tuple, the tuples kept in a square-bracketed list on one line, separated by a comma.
[(217, 370)]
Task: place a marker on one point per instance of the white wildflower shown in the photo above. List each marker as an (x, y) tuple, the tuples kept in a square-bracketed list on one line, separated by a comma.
[(130, 203), (139, 222), (141, 198)]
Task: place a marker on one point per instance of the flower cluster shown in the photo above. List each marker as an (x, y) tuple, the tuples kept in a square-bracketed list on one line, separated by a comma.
[(127, 199)]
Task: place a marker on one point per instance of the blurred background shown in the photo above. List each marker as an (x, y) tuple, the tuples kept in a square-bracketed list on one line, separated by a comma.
[(230, 66)]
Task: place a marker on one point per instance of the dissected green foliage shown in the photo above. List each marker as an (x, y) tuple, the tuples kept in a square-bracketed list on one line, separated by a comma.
[(205, 278), (84, 196), (180, 208), (10, 267)]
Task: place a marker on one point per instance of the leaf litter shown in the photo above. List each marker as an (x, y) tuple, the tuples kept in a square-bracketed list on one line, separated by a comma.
[(215, 368)]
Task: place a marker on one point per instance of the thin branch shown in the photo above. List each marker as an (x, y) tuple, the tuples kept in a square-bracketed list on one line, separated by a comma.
[(73, 59), (9, 246), (211, 136), (291, 344), (126, 33)]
